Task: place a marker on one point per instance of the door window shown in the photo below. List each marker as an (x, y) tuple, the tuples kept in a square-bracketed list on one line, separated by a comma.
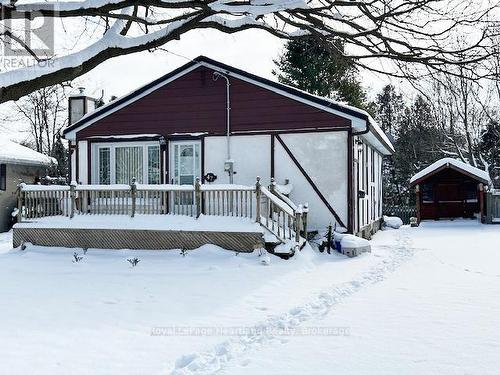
[(186, 163)]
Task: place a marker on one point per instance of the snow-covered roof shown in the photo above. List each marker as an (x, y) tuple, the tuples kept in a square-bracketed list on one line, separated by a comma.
[(14, 153), (361, 121), (458, 164)]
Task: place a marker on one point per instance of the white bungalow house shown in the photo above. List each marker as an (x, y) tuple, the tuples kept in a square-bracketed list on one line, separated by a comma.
[(224, 125)]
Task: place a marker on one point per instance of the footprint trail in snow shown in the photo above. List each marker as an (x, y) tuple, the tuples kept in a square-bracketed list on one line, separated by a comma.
[(216, 359)]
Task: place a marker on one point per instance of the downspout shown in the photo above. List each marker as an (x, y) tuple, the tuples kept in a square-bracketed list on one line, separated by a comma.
[(216, 76), (361, 132)]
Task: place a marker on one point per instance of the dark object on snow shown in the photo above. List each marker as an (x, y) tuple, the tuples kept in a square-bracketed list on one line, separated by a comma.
[(338, 246), (133, 261), (76, 257), (329, 239), (413, 221)]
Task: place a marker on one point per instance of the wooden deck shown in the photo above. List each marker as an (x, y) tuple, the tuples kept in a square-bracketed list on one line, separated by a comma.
[(136, 239), (106, 216)]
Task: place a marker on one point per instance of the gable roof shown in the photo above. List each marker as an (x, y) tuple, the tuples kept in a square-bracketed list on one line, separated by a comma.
[(361, 121), (455, 164)]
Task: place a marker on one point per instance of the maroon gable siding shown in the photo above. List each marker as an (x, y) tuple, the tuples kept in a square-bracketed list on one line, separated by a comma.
[(197, 103)]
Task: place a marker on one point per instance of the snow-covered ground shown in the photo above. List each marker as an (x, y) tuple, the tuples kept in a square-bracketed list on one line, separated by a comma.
[(424, 301)]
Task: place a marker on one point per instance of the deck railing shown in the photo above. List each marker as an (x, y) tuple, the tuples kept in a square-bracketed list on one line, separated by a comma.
[(269, 208)]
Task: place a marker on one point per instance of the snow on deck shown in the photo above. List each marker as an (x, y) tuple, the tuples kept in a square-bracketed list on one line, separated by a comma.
[(457, 163), (152, 222)]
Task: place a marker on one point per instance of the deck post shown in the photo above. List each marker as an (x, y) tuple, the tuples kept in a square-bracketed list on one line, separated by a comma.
[(19, 202), (133, 194), (417, 192), (305, 210), (480, 188), (197, 196), (272, 186), (298, 224), (257, 200), (72, 196), (489, 206)]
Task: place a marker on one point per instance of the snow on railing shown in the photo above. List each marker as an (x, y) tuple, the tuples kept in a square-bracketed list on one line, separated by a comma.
[(270, 208), (281, 216)]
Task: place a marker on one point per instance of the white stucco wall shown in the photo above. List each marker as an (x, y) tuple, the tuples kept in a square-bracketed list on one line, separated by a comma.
[(251, 155), (324, 157)]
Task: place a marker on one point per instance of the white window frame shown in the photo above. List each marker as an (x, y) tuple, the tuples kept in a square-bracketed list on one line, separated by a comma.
[(171, 156), (112, 158)]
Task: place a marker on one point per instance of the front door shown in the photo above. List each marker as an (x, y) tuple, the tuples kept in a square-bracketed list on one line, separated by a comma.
[(185, 162)]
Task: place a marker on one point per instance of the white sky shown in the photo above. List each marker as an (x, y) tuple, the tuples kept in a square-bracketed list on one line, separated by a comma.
[(251, 50)]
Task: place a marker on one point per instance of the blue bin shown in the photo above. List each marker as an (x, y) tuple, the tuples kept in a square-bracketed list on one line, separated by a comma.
[(338, 246)]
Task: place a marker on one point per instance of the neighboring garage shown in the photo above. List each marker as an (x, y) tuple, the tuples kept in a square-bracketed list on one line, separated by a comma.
[(450, 188), (18, 164)]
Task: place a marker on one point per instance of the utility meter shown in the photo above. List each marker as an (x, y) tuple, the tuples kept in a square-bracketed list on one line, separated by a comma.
[(229, 168)]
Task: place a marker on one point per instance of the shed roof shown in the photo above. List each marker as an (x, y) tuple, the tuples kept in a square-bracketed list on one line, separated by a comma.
[(14, 153), (458, 165)]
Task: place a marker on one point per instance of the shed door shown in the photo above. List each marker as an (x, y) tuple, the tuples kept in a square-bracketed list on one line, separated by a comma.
[(450, 200)]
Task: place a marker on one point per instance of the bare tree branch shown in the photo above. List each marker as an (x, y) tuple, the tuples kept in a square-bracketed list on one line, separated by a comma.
[(417, 36)]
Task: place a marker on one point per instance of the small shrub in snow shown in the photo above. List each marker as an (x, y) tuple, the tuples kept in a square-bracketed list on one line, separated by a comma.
[(184, 252), (133, 261), (76, 257)]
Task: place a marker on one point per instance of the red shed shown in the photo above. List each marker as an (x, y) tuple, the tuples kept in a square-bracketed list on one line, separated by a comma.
[(449, 188)]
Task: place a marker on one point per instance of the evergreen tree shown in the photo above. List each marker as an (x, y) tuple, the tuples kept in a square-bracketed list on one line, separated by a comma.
[(390, 109), (60, 153), (321, 70), (490, 150), (417, 140)]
